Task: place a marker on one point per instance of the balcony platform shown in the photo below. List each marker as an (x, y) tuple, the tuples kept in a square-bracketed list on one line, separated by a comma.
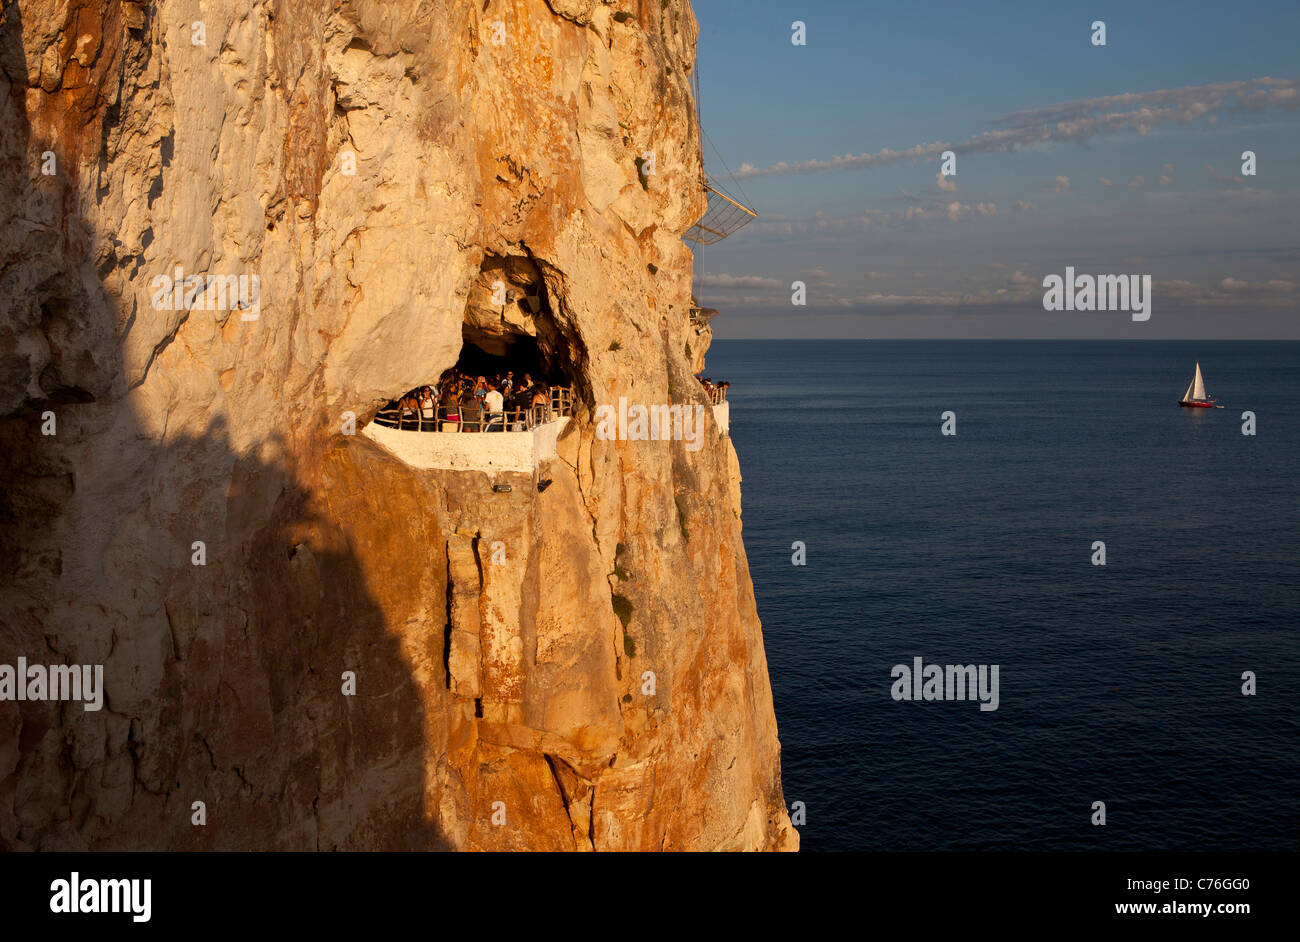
[(471, 451)]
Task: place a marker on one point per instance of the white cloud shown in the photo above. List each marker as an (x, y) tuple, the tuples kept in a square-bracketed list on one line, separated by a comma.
[(1059, 184), (945, 183), (1104, 182), (1136, 112), (1274, 293), (1179, 289), (1021, 289), (846, 162), (1273, 286), (1221, 178), (824, 224), (711, 280)]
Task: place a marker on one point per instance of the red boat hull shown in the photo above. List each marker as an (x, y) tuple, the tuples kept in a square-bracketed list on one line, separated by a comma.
[(1197, 405)]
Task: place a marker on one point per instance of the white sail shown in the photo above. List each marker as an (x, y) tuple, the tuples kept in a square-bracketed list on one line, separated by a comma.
[(1196, 388)]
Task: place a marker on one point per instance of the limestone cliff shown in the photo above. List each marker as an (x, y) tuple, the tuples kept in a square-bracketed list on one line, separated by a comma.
[(568, 665)]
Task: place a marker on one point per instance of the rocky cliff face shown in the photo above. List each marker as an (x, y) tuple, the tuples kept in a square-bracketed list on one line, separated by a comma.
[(571, 665)]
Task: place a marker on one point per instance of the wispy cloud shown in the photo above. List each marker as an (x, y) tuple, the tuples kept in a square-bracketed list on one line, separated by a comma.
[(1024, 291), (1222, 178), (1273, 286), (1017, 288), (869, 220), (711, 280), (1236, 292), (1077, 121)]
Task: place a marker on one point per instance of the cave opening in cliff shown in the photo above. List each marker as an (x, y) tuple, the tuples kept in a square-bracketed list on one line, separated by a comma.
[(510, 325), (512, 338), (494, 357)]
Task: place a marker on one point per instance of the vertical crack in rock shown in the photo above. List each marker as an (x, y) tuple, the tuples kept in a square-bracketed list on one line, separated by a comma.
[(579, 799)]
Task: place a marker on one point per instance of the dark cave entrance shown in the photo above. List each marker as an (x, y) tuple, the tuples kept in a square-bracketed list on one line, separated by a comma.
[(511, 340), (520, 356), (510, 324)]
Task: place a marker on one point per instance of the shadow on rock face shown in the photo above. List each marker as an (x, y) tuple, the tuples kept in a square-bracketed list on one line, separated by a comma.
[(248, 663)]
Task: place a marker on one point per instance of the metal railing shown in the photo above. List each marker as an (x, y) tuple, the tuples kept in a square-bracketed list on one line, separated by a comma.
[(437, 418), (700, 316), (717, 395)]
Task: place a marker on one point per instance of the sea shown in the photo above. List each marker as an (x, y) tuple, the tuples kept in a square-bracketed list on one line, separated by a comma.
[(1124, 684)]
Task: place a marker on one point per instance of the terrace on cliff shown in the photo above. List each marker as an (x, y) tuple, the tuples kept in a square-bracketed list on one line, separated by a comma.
[(508, 326)]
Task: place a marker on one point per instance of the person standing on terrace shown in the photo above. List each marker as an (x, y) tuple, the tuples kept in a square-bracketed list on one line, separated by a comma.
[(495, 405), (450, 403), (471, 414), (541, 403)]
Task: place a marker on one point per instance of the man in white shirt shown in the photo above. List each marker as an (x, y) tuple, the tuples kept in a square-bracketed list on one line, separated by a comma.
[(495, 405)]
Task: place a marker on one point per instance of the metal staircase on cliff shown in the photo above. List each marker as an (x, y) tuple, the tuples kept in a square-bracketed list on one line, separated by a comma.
[(725, 213), (723, 217)]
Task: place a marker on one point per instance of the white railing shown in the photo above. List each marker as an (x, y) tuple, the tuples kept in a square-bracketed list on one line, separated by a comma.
[(437, 418)]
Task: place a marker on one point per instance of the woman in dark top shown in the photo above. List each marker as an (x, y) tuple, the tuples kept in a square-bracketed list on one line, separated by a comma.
[(470, 414), (450, 404)]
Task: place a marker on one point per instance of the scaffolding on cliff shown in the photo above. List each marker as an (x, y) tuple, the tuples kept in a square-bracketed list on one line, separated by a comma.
[(724, 214), (723, 217)]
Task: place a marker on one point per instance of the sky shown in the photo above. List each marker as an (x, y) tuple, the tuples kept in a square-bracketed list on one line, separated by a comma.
[(1122, 159)]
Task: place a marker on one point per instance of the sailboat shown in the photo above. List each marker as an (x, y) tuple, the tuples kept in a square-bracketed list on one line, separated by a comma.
[(1196, 397)]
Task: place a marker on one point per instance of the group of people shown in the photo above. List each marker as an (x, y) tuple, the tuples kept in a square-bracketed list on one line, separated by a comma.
[(474, 403), (461, 402), (716, 391)]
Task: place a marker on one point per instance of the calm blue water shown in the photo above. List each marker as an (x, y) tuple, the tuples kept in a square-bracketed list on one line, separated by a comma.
[(1118, 684)]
